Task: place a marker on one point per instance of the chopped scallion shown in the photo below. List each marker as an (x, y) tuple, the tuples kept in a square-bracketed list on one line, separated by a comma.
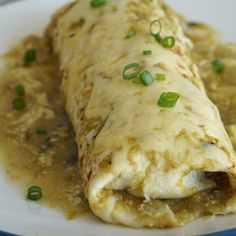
[(30, 56), (158, 38), (165, 8), (20, 90), (147, 52), (34, 193), (131, 71), (155, 27), (97, 3), (130, 34), (160, 77), (168, 99), (146, 78), (18, 104), (169, 42), (41, 130), (218, 65)]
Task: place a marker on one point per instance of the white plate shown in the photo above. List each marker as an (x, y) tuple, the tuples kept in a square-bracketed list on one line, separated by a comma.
[(24, 218)]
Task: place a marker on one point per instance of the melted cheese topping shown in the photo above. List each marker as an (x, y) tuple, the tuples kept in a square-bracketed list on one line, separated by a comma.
[(126, 142)]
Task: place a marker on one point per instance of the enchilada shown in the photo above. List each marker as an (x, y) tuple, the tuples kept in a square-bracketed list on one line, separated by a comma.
[(145, 160)]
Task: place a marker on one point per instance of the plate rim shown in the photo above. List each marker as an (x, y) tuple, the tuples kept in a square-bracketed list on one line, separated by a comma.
[(226, 232)]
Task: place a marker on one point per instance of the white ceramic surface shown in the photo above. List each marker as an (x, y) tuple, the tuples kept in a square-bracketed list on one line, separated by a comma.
[(31, 219)]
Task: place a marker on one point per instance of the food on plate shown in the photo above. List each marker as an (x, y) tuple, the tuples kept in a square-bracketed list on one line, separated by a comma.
[(36, 141), (152, 149)]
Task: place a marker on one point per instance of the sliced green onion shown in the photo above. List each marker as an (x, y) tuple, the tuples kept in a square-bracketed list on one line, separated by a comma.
[(34, 193), (158, 38), (130, 34), (168, 100), (146, 78), (165, 8), (20, 90), (41, 130), (18, 104), (218, 65), (30, 56), (131, 71), (97, 3), (153, 25), (169, 42), (147, 52), (160, 77)]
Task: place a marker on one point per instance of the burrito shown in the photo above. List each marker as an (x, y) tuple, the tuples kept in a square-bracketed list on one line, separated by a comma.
[(153, 151)]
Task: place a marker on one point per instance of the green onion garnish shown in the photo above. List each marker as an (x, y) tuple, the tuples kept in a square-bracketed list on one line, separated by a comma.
[(131, 71), (20, 90), (97, 3), (34, 193), (147, 52), (30, 56), (155, 24), (146, 78), (158, 38), (218, 65), (169, 42), (130, 34), (160, 77), (165, 8), (41, 130), (168, 100), (18, 104)]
